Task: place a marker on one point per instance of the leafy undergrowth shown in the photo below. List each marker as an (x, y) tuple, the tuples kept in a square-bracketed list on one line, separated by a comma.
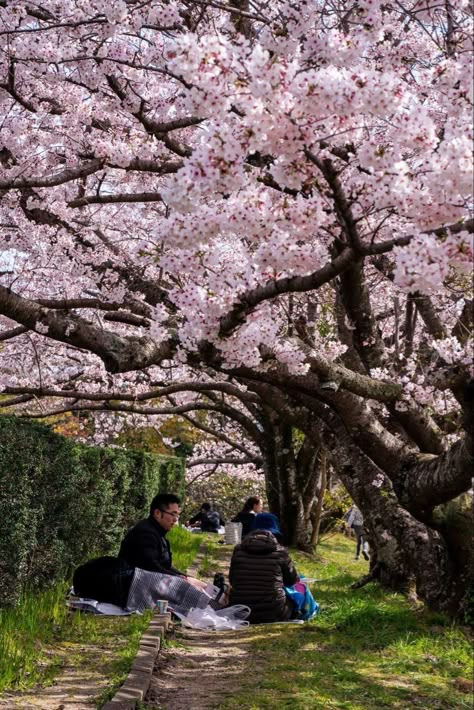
[(367, 648), (40, 639)]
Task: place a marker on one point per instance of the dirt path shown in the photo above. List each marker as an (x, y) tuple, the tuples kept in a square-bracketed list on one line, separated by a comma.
[(202, 669), (199, 669), (72, 689)]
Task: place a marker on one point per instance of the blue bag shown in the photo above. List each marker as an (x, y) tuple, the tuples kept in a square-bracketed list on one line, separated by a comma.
[(306, 606)]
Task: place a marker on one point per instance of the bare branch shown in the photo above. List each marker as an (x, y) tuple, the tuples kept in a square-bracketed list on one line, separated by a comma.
[(128, 397), (217, 434), (119, 353), (120, 197), (225, 460), (12, 333), (51, 180)]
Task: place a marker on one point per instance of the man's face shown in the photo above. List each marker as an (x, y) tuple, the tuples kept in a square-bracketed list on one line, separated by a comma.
[(167, 515)]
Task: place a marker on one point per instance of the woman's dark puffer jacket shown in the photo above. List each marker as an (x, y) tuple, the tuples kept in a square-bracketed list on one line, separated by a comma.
[(259, 569)]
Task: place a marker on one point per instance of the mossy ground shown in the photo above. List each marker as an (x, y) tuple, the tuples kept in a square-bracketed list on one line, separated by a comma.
[(367, 648)]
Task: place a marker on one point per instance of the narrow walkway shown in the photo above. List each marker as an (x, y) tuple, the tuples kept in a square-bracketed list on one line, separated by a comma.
[(72, 689), (202, 669)]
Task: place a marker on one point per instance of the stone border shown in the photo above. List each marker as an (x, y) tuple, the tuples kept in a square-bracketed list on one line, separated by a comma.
[(136, 684), (138, 680)]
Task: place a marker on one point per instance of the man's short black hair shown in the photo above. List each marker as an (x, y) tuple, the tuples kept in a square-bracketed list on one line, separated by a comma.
[(206, 506), (163, 500)]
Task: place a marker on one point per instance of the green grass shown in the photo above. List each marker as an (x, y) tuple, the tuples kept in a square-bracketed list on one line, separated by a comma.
[(24, 632), (39, 636), (367, 649), (184, 546)]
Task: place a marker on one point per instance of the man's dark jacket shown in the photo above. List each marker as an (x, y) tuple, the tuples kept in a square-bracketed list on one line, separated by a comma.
[(259, 569), (210, 520), (146, 546)]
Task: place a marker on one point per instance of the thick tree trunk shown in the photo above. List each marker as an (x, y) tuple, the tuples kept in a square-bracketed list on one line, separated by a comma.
[(412, 549), (406, 554), (292, 481)]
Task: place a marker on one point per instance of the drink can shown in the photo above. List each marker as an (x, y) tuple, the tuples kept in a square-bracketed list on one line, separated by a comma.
[(162, 606)]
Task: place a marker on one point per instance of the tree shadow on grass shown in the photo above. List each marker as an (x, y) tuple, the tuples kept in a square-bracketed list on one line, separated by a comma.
[(309, 667)]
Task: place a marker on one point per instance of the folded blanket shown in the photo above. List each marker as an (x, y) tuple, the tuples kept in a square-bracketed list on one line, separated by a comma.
[(147, 587)]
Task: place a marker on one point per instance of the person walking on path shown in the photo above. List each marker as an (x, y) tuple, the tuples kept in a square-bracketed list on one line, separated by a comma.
[(355, 520)]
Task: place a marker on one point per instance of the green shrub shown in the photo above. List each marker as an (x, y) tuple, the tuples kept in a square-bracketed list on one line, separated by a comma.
[(61, 502)]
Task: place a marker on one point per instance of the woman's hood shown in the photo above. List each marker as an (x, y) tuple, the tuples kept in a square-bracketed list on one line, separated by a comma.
[(259, 542)]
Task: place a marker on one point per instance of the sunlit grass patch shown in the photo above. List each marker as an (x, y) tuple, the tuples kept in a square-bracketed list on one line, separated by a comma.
[(39, 636), (367, 649), (184, 546)]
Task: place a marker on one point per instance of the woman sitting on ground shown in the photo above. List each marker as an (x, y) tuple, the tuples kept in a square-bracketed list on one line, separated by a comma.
[(252, 507), (259, 569)]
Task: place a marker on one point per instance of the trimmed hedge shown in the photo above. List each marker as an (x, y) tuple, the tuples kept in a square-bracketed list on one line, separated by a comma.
[(62, 502)]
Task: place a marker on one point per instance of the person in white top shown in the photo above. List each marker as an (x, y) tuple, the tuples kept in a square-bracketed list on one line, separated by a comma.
[(355, 520)]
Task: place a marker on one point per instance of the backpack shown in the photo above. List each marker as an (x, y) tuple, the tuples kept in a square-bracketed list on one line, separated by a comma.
[(305, 605), (106, 579), (210, 521)]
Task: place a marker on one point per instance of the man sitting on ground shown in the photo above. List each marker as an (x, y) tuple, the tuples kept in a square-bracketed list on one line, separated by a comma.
[(209, 519), (145, 545)]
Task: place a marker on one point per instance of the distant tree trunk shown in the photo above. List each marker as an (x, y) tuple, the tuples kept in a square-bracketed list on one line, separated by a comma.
[(318, 507), (292, 481)]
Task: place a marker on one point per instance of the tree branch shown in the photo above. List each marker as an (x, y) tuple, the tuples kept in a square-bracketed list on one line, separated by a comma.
[(12, 333), (51, 180), (290, 284), (225, 460), (120, 197), (216, 434), (423, 483), (118, 353)]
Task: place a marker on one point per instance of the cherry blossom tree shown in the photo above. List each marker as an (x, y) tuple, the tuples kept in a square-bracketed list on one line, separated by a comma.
[(278, 194), (236, 435)]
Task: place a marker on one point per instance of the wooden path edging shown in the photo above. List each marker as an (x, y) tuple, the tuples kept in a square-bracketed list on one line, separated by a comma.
[(136, 684)]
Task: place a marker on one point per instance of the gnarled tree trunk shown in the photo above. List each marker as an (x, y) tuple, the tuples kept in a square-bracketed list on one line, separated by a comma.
[(292, 478), (406, 554)]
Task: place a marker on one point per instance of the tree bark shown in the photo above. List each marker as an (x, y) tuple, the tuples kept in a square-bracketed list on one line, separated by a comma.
[(412, 553), (406, 554), (292, 480), (318, 508)]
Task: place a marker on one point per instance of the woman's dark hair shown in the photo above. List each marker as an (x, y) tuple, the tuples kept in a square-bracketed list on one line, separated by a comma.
[(250, 502)]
